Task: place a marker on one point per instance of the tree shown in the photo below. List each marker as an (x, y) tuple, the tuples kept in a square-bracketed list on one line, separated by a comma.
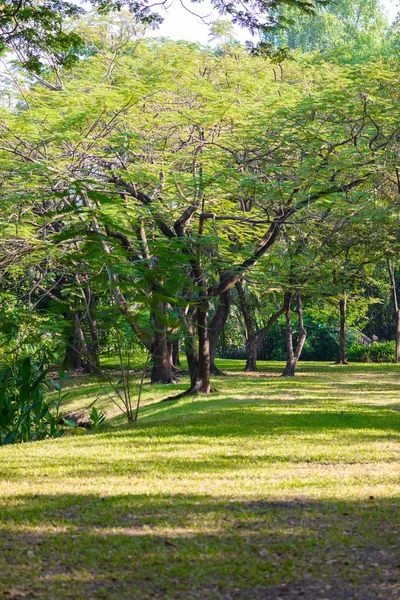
[(175, 188), (222, 31), (255, 335)]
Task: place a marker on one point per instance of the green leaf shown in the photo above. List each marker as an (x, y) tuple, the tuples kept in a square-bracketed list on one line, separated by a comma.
[(56, 385), (10, 438)]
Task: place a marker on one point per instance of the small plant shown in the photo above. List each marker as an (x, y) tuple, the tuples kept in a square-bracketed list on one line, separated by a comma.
[(25, 415), (96, 418), (58, 386)]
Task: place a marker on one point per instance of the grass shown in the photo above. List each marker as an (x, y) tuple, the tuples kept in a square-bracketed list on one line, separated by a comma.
[(270, 488)]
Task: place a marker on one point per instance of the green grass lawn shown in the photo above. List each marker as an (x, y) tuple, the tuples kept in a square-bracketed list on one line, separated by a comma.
[(269, 488)]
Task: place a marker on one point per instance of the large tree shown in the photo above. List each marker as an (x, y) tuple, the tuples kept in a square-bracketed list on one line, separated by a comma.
[(182, 170)]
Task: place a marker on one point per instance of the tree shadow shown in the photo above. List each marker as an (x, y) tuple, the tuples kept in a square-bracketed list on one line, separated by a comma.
[(192, 547), (312, 438), (227, 419)]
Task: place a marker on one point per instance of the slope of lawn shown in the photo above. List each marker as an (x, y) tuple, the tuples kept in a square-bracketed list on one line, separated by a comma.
[(269, 488)]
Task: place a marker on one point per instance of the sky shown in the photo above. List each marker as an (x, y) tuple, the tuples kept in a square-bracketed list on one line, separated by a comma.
[(180, 24)]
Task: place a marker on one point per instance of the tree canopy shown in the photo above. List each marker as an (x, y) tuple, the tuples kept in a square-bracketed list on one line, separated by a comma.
[(161, 188), (40, 33)]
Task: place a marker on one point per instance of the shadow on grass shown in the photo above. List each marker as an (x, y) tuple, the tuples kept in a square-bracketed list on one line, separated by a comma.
[(228, 418), (192, 547), (318, 379), (224, 419), (308, 366), (184, 446)]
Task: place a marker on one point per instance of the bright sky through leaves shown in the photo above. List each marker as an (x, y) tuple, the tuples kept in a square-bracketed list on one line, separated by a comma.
[(181, 24)]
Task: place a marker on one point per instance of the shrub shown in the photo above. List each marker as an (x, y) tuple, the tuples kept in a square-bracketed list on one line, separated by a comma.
[(379, 352), (25, 415)]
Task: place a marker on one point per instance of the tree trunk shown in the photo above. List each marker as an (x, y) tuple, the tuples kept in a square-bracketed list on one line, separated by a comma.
[(198, 354), (161, 371), (398, 336), (76, 349), (172, 356), (199, 365), (254, 339), (290, 360), (175, 353), (93, 363), (293, 355), (202, 382), (192, 354), (251, 345), (252, 349), (342, 338), (396, 308), (216, 326)]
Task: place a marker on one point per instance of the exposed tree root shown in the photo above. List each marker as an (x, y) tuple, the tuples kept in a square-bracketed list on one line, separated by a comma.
[(192, 391), (173, 380), (215, 371), (251, 370)]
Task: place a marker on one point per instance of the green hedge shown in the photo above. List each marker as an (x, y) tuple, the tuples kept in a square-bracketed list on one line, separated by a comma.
[(379, 352)]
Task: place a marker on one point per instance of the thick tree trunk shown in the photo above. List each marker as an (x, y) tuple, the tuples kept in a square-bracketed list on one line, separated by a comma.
[(342, 336), (293, 355), (215, 328), (173, 347), (198, 354), (199, 365), (202, 383), (290, 368), (171, 360), (161, 371), (172, 356), (252, 349)]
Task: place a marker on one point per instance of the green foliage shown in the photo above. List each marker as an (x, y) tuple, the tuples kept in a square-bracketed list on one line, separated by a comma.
[(28, 331), (33, 29), (96, 418), (379, 352), (25, 415), (41, 36), (345, 31), (222, 31), (96, 192), (58, 385)]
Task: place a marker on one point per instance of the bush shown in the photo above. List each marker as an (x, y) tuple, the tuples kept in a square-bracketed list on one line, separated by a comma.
[(379, 352), (321, 343), (24, 413)]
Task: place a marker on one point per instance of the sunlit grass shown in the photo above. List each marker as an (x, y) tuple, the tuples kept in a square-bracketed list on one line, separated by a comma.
[(267, 488)]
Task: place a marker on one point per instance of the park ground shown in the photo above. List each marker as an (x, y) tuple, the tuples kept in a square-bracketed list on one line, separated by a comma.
[(269, 488)]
